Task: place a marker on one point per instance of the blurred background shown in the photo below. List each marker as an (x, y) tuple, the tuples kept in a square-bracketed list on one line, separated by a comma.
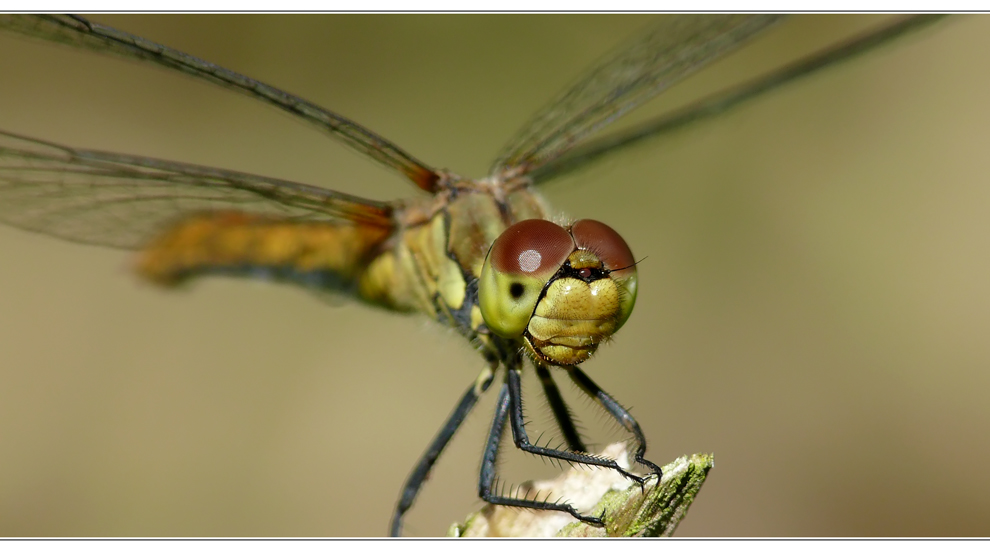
[(813, 309)]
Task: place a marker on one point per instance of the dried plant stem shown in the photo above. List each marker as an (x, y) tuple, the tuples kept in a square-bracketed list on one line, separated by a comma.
[(630, 511)]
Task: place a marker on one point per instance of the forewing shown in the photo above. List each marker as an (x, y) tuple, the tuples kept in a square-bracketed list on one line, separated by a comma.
[(721, 102), (79, 32), (122, 201), (648, 65)]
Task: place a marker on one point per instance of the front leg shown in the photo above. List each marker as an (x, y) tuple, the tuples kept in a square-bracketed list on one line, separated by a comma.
[(560, 410), (521, 439), (618, 412), (487, 481)]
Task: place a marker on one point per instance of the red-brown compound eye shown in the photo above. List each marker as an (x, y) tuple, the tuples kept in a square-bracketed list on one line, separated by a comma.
[(605, 242), (614, 253), (535, 248), (519, 264)]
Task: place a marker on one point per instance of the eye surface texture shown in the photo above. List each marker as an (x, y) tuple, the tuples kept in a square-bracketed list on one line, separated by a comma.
[(616, 257), (605, 242), (531, 247), (520, 262)]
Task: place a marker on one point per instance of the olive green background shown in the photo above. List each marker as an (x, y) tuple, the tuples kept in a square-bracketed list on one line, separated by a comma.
[(813, 310)]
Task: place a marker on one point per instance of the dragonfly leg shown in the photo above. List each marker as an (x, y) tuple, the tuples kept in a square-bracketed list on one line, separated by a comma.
[(618, 412), (560, 410), (422, 470), (521, 439), (487, 481)]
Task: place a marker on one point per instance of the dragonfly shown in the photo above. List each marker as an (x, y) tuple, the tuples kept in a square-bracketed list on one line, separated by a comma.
[(481, 256)]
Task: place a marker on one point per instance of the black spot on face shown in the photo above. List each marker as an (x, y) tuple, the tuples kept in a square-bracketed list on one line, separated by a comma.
[(516, 290)]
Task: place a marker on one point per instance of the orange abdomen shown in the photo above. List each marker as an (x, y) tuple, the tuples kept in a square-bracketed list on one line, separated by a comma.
[(325, 254)]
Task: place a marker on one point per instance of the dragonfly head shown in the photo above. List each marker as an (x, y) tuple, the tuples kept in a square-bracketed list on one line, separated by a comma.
[(563, 290)]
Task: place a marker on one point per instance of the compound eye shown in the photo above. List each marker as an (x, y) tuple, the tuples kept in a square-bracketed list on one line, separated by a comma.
[(531, 248), (519, 264), (606, 243), (612, 250)]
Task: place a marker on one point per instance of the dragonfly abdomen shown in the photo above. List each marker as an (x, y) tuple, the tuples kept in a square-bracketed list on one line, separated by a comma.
[(322, 254)]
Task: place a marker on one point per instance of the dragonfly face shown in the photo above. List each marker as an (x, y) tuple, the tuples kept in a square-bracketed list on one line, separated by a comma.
[(238, 241), (564, 290)]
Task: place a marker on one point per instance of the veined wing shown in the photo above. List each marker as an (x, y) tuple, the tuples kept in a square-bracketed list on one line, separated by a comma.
[(649, 65), (122, 201), (79, 32), (599, 147)]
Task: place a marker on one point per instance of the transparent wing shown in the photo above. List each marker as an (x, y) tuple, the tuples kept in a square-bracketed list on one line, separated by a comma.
[(598, 148), (79, 32), (647, 66), (121, 201)]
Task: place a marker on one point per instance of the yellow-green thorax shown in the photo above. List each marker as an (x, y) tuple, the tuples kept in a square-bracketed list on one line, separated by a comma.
[(434, 260)]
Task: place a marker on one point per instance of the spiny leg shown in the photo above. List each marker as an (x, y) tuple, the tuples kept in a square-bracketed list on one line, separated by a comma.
[(486, 481), (422, 470), (619, 413), (560, 411), (521, 439)]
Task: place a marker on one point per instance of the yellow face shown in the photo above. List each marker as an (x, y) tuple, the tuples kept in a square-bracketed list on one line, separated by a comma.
[(564, 290)]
